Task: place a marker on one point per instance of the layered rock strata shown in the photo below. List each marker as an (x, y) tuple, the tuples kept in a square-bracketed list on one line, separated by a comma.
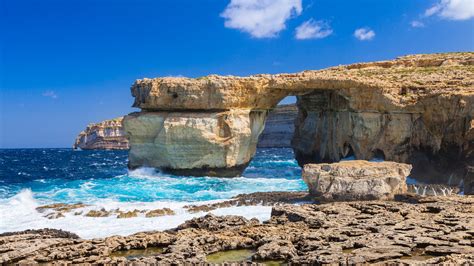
[(106, 135), (417, 109), (468, 182), (425, 231), (279, 127), (278, 132), (194, 143), (356, 180)]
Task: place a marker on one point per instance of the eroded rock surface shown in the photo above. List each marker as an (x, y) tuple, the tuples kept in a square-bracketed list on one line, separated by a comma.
[(279, 127), (427, 230), (417, 109), (106, 135), (356, 180), (194, 143)]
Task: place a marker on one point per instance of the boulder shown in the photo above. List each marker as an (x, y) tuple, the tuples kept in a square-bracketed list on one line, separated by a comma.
[(356, 180)]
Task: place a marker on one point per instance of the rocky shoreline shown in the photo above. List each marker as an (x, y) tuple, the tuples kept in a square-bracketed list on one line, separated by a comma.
[(408, 230)]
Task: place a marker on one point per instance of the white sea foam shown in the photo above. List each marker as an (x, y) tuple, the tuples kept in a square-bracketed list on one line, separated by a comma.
[(19, 213)]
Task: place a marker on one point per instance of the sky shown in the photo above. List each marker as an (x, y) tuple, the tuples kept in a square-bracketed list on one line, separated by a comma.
[(65, 64)]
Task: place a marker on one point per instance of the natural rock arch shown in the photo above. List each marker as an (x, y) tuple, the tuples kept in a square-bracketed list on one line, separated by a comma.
[(421, 104)]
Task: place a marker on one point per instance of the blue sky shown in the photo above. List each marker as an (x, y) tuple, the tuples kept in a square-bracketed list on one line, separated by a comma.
[(64, 64)]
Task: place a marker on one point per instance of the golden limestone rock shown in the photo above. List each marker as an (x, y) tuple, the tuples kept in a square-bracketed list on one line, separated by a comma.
[(106, 135), (417, 109)]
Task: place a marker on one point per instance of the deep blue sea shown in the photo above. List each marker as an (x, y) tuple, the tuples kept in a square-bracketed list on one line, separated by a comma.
[(33, 177)]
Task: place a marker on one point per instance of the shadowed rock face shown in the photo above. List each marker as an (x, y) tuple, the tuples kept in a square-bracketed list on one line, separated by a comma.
[(416, 109), (279, 127)]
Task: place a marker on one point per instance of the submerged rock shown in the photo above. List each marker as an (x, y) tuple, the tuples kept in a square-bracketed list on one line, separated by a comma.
[(159, 212), (356, 180), (416, 109), (106, 135)]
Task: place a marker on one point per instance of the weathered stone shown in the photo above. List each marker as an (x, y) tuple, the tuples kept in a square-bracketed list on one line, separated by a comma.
[(128, 214), (358, 232), (106, 135), (356, 180), (98, 213), (468, 182), (276, 250), (213, 144), (159, 212), (279, 127), (415, 109)]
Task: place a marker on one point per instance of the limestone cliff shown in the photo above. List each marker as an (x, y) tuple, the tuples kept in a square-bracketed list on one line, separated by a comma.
[(279, 127), (106, 135), (194, 143), (416, 109)]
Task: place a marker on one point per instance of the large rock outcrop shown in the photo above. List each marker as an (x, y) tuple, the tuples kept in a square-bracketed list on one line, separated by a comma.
[(356, 180), (106, 135), (279, 127), (194, 143), (109, 134), (417, 109)]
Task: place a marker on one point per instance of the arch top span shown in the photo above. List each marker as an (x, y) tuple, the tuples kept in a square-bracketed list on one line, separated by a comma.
[(396, 107)]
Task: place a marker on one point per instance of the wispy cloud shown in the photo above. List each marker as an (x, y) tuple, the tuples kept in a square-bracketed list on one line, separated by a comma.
[(260, 18), (311, 29), (50, 94), (417, 24), (452, 9), (364, 34)]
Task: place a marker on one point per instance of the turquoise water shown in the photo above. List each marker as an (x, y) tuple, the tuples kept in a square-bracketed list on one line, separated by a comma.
[(65, 175)]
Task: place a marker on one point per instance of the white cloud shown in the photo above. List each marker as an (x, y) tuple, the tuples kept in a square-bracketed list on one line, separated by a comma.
[(452, 9), (260, 18), (364, 34), (417, 24), (313, 30), (50, 94)]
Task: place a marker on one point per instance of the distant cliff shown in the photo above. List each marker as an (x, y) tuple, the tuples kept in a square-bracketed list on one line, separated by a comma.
[(279, 127), (106, 135)]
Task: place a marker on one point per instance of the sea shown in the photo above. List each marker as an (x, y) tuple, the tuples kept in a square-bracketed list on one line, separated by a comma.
[(30, 178)]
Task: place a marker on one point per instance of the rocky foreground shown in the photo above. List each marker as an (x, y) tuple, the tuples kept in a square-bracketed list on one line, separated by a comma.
[(409, 230)]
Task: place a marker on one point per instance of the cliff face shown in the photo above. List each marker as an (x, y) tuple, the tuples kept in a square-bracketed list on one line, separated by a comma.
[(279, 127), (416, 109), (194, 143), (106, 135), (429, 123), (278, 132)]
